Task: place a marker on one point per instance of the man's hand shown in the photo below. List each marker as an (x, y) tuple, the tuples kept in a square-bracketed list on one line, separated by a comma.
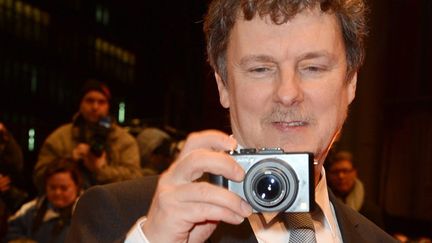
[(4, 183), (184, 210), (90, 161), (80, 151), (93, 163)]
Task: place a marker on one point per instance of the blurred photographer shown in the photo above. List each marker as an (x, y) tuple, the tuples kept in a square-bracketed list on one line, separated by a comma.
[(104, 151)]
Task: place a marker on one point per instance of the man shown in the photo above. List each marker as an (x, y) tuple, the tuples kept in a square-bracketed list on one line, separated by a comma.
[(345, 184), (287, 71), (104, 151)]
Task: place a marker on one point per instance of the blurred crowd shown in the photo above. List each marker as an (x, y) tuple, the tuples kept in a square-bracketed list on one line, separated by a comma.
[(90, 150)]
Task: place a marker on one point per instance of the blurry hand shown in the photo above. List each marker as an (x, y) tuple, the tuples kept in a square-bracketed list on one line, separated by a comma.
[(80, 151), (4, 183), (184, 210), (93, 163)]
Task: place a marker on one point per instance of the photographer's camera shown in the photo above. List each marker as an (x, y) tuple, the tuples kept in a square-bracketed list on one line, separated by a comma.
[(99, 136)]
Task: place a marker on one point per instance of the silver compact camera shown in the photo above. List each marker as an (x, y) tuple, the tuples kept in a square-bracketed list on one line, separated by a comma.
[(275, 181)]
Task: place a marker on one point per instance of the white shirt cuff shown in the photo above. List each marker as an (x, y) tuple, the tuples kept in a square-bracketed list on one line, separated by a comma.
[(135, 234)]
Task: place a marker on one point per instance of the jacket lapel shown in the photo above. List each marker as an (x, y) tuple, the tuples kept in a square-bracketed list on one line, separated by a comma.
[(347, 221)]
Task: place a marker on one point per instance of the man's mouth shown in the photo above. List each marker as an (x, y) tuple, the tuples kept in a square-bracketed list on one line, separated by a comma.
[(291, 123)]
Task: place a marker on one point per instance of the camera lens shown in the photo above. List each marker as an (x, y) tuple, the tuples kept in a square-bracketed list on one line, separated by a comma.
[(270, 185), (268, 188)]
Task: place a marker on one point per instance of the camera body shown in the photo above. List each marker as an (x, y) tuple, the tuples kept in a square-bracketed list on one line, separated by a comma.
[(275, 181), (99, 136)]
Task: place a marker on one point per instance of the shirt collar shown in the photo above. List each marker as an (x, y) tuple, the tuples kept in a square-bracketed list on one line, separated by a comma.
[(323, 201)]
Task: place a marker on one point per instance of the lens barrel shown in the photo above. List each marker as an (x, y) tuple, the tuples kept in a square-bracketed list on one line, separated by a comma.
[(270, 185)]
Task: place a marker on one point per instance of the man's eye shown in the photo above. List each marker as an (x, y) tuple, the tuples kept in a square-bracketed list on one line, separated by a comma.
[(259, 70), (101, 102), (314, 69)]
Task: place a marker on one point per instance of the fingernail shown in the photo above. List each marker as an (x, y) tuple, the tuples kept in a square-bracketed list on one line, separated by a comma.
[(233, 142), (239, 172), (246, 208), (240, 219)]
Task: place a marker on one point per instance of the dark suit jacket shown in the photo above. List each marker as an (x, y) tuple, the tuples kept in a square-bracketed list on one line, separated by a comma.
[(106, 213)]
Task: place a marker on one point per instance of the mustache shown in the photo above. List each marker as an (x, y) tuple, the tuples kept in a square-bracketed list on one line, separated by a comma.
[(289, 114)]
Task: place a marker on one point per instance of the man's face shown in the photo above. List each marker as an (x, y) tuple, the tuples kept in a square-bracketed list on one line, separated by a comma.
[(286, 84), (94, 105), (341, 177), (61, 190)]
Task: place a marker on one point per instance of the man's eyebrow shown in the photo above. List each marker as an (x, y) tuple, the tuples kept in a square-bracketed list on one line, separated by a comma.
[(256, 58), (317, 54), (308, 55)]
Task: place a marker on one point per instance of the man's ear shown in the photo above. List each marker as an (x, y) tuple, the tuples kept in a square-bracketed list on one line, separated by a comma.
[(352, 86), (223, 91)]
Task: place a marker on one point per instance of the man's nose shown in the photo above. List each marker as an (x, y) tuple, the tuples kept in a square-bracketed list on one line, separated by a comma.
[(288, 90), (95, 105), (57, 192)]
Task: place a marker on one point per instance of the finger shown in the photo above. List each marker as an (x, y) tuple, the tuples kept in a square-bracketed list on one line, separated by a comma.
[(202, 232), (201, 161), (83, 147), (209, 139), (197, 202), (207, 193), (193, 213), (5, 180)]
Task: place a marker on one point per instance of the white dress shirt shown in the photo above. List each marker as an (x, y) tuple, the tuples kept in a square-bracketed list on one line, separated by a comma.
[(325, 223)]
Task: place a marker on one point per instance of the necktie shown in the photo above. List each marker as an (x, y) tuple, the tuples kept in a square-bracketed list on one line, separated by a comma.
[(301, 228)]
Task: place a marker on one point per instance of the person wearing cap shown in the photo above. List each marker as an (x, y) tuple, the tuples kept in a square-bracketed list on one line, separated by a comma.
[(104, 151)]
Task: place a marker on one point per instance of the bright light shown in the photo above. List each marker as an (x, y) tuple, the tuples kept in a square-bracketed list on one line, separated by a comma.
[(122, 112), (31, 139), (303, 205)]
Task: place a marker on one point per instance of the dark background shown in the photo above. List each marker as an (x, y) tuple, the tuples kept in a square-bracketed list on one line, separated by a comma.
[(151, 54)]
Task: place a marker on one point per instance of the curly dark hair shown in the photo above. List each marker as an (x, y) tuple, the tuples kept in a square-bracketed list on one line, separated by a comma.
[(64, 165), (222, 14)]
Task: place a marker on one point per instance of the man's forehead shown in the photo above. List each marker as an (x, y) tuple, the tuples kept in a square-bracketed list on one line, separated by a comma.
[(342, 163), (95, 95), (320, 32)]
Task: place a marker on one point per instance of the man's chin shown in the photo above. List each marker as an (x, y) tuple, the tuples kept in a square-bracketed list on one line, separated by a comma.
[(93, 119), (289, 147)]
